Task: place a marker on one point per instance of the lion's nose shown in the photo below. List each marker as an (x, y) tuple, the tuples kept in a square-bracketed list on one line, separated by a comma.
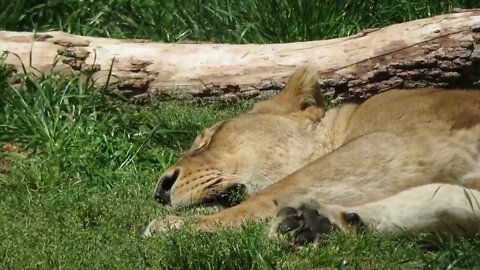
[(162, 193)]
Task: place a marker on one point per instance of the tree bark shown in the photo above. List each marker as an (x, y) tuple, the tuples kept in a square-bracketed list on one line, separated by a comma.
[(442, 51)]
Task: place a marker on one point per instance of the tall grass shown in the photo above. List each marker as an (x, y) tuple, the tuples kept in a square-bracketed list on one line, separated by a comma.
[(252, 21)]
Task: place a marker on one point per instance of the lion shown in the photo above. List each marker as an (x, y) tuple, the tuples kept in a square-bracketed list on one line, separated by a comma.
[(293, 146)]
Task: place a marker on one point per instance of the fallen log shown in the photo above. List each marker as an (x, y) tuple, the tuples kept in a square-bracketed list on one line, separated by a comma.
[(441, 51)]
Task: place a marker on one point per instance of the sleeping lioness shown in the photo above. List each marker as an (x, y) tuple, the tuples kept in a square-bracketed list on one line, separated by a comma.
[(291, 146)]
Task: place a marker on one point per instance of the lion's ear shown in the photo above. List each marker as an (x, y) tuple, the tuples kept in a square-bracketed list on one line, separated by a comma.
[(302, 91), (205, 137)]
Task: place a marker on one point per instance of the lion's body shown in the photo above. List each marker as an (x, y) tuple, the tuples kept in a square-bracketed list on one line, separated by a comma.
[(350, 155)]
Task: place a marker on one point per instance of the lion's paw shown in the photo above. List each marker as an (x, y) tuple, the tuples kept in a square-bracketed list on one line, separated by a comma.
[(307, 224), (162, 224)]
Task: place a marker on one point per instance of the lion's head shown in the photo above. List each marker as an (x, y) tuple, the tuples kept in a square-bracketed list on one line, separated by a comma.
[(251, 151)]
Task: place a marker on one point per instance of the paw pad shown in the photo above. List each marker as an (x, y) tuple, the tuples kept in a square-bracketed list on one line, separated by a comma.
[(306, 224), (289, 224), (352, 218)]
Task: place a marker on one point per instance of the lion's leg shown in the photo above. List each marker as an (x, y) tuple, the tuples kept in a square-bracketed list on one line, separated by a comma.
[(253, 209), (446, 209)]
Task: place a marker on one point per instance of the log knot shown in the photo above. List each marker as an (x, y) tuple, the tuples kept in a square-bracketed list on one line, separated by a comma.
[(72, 41)]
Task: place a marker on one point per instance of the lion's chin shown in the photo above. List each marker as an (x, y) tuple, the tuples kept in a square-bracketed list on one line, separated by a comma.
[(234, 194)]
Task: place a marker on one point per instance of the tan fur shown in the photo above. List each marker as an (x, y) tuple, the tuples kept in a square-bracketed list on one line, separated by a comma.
[(349, 155)]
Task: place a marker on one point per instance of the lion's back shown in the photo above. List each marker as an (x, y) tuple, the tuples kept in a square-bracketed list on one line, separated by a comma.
[(404, 111)]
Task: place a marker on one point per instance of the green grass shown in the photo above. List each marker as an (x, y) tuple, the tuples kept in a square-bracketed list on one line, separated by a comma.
[(80, 189), (262, 21)]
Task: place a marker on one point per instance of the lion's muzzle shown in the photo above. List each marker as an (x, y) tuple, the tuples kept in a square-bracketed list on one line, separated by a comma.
[(162, 192)]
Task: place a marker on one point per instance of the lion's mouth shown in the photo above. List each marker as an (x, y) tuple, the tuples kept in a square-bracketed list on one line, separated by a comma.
[(231, 196)]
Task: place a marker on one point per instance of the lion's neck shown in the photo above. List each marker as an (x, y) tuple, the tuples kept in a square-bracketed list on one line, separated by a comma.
[(331, 133)]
